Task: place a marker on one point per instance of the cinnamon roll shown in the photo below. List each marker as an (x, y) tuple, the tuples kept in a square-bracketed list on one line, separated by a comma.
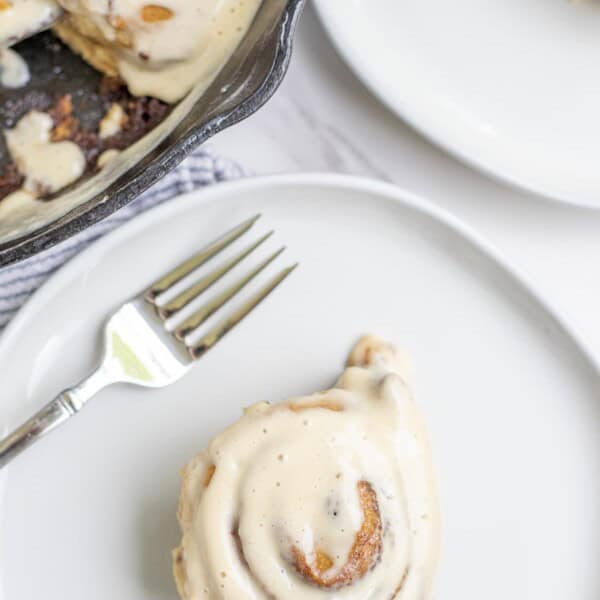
[(160, 49), (324, 496)]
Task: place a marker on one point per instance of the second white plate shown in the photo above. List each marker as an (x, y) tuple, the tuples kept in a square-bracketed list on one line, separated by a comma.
[(511, 87), (511, 400)]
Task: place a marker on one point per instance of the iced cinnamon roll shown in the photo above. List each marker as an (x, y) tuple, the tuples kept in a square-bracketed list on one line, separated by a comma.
[(160, 48), (320, 497)]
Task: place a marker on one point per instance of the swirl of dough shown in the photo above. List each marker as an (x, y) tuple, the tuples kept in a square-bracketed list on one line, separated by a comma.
[(325, 496)]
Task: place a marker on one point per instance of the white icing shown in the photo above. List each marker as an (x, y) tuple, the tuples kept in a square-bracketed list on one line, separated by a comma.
[(47, 166), (166, 58), (17, 208), (14, 72), (112, 121), (290, 478), (24, 17), (106, 157)]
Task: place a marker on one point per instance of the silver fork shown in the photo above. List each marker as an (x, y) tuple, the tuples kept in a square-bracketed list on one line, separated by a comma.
[(139, 349)]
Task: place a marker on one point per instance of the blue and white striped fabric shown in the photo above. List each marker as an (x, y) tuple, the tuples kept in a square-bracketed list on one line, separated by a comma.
[(18, 282)]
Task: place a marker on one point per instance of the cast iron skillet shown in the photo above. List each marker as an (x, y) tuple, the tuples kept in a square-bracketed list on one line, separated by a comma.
[(247, 81)]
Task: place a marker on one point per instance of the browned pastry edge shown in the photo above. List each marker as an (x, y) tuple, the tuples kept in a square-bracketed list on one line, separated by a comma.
[(179, 571), (364, 554), (366, 349)]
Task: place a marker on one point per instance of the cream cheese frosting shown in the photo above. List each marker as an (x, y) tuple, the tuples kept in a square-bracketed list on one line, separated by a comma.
[(328, 496), (47, 166), (19, 18), (14, 72), (112, 122)]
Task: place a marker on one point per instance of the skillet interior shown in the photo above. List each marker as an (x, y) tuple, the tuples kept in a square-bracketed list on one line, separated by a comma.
[(246, 82)]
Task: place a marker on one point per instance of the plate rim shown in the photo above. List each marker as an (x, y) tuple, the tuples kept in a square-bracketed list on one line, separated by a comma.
[(390, 192), (396, 199), (361, 71)]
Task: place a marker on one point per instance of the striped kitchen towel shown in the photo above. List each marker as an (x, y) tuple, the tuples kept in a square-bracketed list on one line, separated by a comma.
[(19, 281)]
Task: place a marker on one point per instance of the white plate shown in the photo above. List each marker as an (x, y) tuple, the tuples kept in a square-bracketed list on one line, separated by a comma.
[(510, 396), (509, 86)]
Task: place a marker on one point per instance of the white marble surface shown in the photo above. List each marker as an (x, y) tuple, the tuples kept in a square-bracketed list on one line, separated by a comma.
[(324, 119)]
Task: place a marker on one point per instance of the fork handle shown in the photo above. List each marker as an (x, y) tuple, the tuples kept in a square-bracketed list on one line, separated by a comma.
[(59, 410), (44, 421)]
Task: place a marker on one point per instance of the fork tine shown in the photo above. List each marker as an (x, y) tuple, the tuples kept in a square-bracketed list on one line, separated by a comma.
[(213, 305), (183, 299), (186, 267), (219, 331)]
